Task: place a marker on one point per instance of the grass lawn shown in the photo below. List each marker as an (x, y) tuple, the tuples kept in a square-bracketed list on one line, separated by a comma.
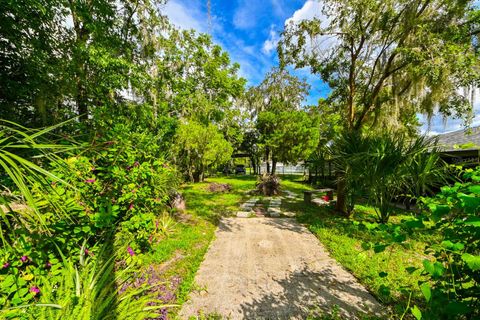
[(384, 273), (176, 258)]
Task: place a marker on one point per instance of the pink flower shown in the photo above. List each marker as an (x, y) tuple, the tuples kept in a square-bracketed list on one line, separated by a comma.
[(136, 164), (90, 180), (130, 251), (24, 259), (130, 207), (87, 252), (6, 265), (35, 290), (48, 264)]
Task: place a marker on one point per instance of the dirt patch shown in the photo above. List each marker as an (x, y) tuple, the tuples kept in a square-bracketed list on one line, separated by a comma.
[(259, 210), (262, 268), (219, 187)]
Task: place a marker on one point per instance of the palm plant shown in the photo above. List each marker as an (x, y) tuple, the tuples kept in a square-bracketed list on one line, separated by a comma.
[(346, 153), (381, 167), (92, 289), (15, 140), (425, 171)]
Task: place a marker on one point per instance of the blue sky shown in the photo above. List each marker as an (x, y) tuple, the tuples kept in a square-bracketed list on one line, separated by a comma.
[(249, 30)]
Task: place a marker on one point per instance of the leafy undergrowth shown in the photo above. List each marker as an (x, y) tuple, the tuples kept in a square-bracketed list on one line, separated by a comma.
[(352, 242), (174, 261)]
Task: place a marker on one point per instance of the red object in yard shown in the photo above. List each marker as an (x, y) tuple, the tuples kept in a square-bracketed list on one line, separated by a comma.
[(326, 198)]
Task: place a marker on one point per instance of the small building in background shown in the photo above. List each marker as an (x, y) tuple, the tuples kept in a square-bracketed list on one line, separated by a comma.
[(461, 147)]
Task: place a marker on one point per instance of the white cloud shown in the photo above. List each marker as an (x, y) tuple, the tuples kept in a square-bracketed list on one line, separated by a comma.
[(271, 43), (315, 9), (311, 9), (185, 15)]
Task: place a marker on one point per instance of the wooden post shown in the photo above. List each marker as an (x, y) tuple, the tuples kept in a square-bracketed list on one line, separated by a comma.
[(307, 197)]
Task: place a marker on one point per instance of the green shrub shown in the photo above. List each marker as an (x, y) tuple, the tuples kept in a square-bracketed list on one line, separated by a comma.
[(451, 288), (121, 179)]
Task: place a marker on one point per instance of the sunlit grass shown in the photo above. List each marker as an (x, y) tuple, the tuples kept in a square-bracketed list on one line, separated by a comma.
[(384, 274)]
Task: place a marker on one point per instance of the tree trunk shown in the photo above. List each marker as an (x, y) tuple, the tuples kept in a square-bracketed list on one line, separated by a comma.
[(267, 154), (274, 165), (341, 205), (41, 109), (197, 176), (82, 35), (253, 164), (81, 103)]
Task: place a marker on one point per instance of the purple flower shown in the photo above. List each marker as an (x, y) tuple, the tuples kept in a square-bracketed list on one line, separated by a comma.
[(90, 180), (48, 264), (6, 265), (136, 164), (130, 251), (35, 290), (24, 259)]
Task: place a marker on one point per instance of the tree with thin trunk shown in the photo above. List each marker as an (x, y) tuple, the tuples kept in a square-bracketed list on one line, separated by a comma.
[(285, 133), (387, 60)]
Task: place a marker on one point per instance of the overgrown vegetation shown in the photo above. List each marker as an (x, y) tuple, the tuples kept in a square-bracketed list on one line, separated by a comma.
[(106, 109)]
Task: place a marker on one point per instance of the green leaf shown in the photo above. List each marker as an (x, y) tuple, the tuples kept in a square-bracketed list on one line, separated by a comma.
[(453, 246), (399, 238), (414, 224), (436, 269), (384, 290), (379, 248), (366, 245), (22, 292), (472, 221), (470, 203), (438, 211), (411, 270), (416, 312), (427, 291), (474, 189), (472, 261), (8, 282)]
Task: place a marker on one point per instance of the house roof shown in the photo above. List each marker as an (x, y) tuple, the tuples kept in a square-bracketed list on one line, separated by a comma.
[(465, 139)]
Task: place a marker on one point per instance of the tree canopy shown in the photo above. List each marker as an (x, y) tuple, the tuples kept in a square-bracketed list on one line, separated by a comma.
[(388, 60)]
